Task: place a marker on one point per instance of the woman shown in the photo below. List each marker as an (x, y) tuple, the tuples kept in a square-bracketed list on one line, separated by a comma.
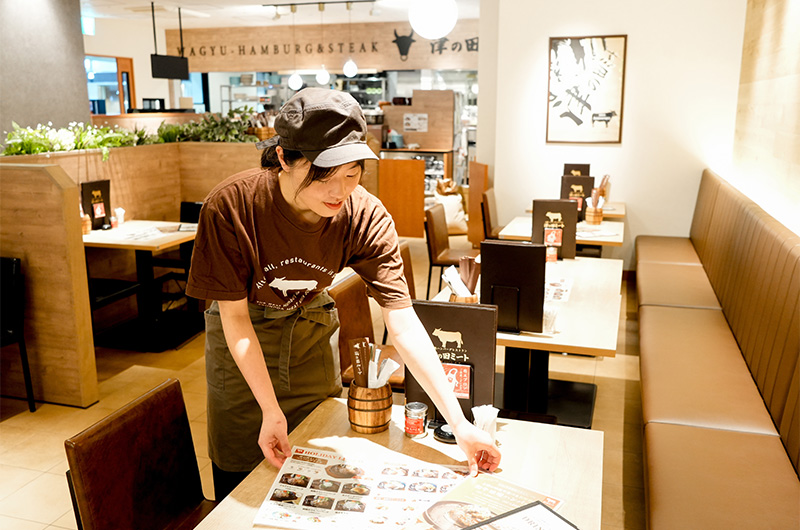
[(269, 242)]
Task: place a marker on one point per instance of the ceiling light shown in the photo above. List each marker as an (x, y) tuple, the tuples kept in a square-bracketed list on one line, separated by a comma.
[(433, 19), (323, 77), (295, 81), (350, 69)]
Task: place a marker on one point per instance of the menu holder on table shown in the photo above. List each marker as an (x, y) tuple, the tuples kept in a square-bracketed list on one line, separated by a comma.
[(465, 338), (96, 198), (554, 225), (576, 169), (577, 188), (512, 278)]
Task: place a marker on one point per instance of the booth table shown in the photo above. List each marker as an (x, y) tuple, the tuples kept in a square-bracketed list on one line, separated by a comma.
[(559, 461), (153, 330), (587, 324), (607, 233)]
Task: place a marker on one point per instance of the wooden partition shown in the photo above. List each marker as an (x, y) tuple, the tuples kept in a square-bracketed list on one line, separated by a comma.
[(401, 186), (39, 224), (203, 165), (149, 121), (478, 183)]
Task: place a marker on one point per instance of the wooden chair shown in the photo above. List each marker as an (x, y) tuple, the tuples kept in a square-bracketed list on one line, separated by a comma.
[(439, 252), (491, 227), (355, 319), (181, 259), (12, 319), (137, 467)]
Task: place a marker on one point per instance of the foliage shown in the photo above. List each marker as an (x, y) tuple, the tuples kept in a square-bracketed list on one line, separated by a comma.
[(231, 127)]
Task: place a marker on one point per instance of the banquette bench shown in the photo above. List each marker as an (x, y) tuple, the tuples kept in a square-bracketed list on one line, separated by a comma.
[(719, 317)]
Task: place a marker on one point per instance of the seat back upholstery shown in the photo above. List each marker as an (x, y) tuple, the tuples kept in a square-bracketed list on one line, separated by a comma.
[(137, 467), (436, 233), (753, 264), (355, 318), (489, 211)]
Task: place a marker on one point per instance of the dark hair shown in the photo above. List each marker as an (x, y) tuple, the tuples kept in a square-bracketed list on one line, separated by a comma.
[(269, 160)]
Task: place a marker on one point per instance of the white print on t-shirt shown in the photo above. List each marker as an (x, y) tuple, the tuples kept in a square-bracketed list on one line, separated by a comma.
[(301, 261), (284, 285)]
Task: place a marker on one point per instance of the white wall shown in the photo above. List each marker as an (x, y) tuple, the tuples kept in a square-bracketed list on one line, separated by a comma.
[(681, 86), (134, 39)]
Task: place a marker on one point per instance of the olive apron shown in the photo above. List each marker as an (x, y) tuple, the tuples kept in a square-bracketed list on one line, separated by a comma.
[(301, 364)]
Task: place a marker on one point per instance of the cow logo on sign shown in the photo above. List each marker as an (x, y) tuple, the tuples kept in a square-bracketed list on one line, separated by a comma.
[(403, 43)]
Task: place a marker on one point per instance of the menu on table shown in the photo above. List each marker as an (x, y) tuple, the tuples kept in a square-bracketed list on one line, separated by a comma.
[(318, 489), (484, 502)]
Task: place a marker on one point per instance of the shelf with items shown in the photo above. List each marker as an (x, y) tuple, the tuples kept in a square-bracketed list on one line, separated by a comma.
[(368, 91), (262, 98)]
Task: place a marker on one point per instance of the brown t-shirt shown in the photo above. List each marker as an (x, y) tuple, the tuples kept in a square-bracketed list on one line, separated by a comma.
[(250, 245)]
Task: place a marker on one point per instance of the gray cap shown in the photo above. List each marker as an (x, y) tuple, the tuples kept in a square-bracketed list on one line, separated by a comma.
[(327, 126)]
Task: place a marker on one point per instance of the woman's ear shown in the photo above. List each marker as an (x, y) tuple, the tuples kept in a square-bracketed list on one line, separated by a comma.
[(279, 152)]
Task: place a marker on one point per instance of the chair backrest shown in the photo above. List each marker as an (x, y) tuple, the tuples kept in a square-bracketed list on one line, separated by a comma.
[(137, 467), (489, 210), (355, 318), (436, 232), (408, 269), (190, 211), (12, 299)]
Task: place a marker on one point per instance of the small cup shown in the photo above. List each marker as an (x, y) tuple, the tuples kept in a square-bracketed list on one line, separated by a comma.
[(549, 318)]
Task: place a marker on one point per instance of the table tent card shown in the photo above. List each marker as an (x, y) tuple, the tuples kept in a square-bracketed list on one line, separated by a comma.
[(554, 223), (512, 278), (577, 188), (465, 336), (96, 197), (576, 169)]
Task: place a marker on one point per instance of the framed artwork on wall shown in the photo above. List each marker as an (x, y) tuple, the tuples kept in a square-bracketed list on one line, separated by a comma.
[(586, 87)]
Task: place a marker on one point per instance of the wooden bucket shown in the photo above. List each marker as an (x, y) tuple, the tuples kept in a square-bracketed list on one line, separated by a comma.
[(369, 409), (594, 216)]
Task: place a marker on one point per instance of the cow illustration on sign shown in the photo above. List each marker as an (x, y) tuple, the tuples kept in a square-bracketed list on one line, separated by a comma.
[(403, 44), (448, 336)]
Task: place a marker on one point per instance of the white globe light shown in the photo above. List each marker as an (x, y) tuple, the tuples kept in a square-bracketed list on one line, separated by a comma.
[(350, 69), (295, 81), (433, 19), (323, 76)]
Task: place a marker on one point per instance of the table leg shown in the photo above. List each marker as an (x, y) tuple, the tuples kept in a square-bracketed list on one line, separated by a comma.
[(146, 299), (527, 388)]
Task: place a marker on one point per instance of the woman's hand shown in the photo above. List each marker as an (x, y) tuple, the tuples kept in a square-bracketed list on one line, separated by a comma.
[(477, 445), (273, 440)]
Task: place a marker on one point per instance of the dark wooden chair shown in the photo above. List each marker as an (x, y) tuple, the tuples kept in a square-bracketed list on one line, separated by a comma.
[(439, 252), (180, 259), (12, 317), (137, 467), (355, 322), (491, 227)]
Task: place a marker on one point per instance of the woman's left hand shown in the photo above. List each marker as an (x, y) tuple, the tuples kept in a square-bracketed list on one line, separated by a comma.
[(477, 445)]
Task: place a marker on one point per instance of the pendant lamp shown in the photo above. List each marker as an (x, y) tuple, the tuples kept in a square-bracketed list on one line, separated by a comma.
[(295, 81), (433, 19), (350, 69), (323, 77)]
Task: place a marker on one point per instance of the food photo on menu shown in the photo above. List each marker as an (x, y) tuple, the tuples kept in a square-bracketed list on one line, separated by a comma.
[(326, 490)]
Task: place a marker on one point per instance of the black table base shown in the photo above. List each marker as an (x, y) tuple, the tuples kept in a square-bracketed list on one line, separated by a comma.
[(167, 331), (527, 389)]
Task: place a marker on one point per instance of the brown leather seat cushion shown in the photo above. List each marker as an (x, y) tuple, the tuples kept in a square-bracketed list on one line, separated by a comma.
[(661, 249), (674, 285), (693, 373), (711, 478)]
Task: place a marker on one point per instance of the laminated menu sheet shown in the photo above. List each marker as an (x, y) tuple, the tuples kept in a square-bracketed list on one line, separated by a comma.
[(318, 489), (491, 503)]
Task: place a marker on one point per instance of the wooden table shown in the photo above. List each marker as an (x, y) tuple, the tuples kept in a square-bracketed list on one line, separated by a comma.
[(607, 233), (587, 324), (555, 460), (154, 330), (611, 210)]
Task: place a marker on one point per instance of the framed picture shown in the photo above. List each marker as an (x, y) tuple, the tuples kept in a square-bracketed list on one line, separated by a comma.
[(585, 89)]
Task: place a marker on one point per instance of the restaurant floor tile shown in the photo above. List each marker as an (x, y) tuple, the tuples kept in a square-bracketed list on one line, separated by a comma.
[(33, 490)]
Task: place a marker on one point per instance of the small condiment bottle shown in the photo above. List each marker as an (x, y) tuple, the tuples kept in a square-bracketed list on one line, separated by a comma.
[(415, 419)]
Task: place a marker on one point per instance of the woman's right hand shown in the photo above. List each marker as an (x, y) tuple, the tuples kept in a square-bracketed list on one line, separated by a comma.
[(273, 439)]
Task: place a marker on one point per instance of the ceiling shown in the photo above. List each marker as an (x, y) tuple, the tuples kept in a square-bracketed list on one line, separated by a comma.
[(232, 13)]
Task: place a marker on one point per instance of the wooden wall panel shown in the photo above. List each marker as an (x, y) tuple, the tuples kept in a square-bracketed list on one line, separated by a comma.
[(203, 165), (401, 186), (39, 224), (478, 182), (439, 105)]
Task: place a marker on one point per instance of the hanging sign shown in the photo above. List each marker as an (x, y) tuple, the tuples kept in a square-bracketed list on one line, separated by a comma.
[(379, 46)]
